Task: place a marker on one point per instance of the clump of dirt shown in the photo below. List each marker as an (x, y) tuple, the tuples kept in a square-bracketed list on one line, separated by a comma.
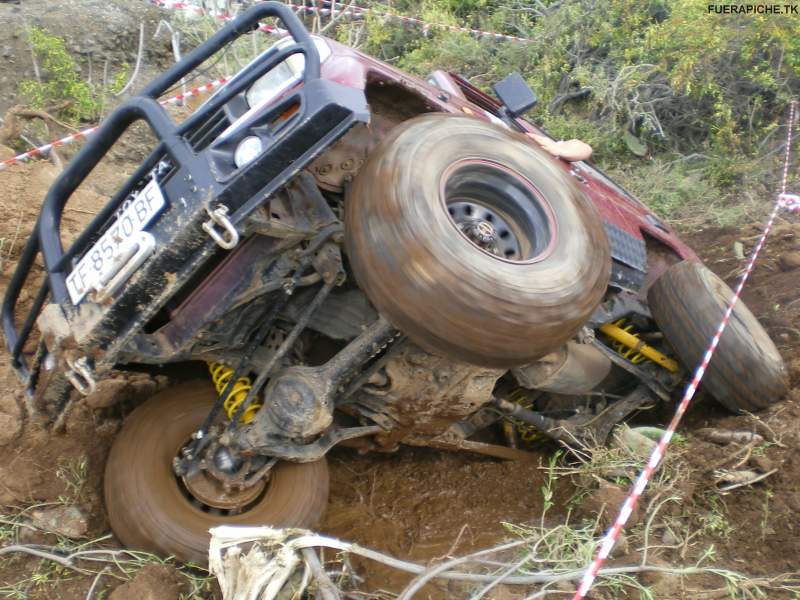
[(153, 582)]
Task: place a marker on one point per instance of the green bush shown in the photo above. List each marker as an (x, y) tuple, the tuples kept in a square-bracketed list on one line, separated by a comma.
[(661, 80), (61, 79)]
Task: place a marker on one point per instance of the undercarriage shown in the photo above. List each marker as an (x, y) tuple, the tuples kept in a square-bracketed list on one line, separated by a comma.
[(358, 258)]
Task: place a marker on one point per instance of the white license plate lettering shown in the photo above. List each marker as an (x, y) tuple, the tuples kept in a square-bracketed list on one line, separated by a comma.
[(101, 262)]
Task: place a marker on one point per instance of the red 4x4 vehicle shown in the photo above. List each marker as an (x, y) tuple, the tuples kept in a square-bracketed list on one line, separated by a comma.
[(363, 258)]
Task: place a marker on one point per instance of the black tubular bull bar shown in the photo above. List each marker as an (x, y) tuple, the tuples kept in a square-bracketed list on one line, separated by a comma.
[(321, 112)]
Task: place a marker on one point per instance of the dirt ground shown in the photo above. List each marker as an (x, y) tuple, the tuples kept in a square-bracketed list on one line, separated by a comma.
[(416, 504), (422, 504)]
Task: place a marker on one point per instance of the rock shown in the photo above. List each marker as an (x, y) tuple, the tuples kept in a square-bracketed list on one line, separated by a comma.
[(68, 521), (153, 582), (789, 261), (6, 152), (665, 583), (762, 463), (565, 586), (504, 592), (621, 547), (606, 502), (119, 389), (29, 535), (668, 538), (633, 441), (143, 386)]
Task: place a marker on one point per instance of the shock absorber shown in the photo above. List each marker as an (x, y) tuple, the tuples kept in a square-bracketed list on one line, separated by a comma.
[(626, 341), (527, 433), (220, 375)]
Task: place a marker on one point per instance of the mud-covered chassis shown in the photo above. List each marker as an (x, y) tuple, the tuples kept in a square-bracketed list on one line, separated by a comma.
[(384, 275), (228, 205), (89, 339)]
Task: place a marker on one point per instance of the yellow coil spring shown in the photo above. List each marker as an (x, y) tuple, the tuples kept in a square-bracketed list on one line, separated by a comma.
[(527, 433), (629, 353), (221, 374)]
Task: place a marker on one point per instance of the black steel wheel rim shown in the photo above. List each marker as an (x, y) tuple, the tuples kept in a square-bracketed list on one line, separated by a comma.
[(498, 211)]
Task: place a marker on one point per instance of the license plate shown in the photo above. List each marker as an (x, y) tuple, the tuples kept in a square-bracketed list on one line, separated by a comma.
[(110, 253)]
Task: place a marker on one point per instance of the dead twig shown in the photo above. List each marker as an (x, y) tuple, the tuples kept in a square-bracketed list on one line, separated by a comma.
[(53, 154), (274, 555), (721, 463), (90, 593), (64, 561), (175, 37), (750, 480), (13, 122), (724, 436), (335, 17), (327, 589), (135, 73)]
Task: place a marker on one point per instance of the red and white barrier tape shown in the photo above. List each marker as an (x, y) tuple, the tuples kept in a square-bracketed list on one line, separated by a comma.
[(82, 135), (350, 11), (223, 16), (658, 453)]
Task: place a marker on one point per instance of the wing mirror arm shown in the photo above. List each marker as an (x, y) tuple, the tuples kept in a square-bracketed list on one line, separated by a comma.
[(516, 97)]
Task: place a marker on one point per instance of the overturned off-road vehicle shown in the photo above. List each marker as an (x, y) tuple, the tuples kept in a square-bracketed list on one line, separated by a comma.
[(361, 258)]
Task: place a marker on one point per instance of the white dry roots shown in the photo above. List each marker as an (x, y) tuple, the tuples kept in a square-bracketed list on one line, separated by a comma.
[(262, 563)]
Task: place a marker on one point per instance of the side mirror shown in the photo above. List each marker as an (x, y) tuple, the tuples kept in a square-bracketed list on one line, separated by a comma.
[(515, 95)]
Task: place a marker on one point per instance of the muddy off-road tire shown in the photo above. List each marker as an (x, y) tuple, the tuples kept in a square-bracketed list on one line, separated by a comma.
[(470, 240), (746, 373), (149, 509)]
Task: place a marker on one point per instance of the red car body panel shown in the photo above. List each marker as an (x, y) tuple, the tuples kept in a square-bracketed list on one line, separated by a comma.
[(615, 205)]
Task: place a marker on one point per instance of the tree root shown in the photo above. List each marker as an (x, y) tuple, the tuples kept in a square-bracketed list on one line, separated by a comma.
[(17, 115)]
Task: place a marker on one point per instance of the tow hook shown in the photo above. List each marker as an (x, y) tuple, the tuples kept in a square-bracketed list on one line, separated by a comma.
[(229, 238), (80, 376)]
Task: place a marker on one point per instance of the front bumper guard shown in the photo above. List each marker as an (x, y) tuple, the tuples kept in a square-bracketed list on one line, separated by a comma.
[(321, 112)]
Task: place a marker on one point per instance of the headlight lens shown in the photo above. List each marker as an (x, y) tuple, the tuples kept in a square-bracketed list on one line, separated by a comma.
[(247, 151), (273, 83), (284, 75)]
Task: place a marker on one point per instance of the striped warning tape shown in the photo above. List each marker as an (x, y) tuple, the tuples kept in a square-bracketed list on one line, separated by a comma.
[(612, 535), (82, 135), (222, 15), (350, 11)]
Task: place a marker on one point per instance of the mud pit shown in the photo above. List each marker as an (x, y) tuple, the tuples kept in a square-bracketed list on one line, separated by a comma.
[(423, 504)]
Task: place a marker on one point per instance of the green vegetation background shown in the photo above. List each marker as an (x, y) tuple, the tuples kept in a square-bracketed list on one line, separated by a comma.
[(684, 107)]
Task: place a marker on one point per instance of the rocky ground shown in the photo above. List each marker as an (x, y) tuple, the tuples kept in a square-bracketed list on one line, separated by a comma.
[(415, 504)]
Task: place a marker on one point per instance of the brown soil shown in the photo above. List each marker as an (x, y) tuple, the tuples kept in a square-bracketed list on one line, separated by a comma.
[(421, 504)]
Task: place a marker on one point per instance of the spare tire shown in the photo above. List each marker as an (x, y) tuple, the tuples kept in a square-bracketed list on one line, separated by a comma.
[(688, 303), (471, 240)]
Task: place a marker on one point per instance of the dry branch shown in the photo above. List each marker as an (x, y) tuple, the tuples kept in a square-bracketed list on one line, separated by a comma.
[(15, 117), (275, 554)]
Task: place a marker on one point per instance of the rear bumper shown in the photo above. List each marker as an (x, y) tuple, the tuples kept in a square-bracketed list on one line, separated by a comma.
[(193, 185)]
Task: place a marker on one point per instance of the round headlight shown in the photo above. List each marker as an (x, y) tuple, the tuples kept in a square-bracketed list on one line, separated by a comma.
[(247, 151)]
